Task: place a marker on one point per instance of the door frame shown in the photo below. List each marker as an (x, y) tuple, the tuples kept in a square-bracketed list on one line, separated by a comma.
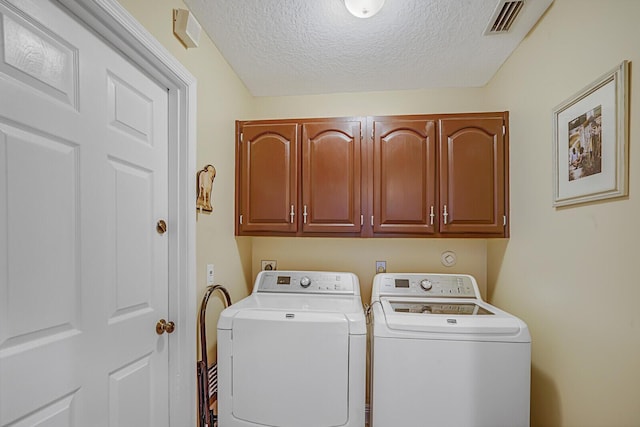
[(113, 23)]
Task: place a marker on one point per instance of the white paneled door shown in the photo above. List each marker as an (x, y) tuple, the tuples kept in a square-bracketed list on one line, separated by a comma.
[(83, 269)]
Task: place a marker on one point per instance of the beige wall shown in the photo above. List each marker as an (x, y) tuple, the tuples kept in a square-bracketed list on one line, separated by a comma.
[(371, 103), (572, 274), (222, 98), (359, 256)]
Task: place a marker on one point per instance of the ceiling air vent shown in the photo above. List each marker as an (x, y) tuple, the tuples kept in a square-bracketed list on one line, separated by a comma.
[(505, 14)]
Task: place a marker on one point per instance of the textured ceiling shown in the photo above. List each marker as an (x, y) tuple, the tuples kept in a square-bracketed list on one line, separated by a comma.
[(298, 47)]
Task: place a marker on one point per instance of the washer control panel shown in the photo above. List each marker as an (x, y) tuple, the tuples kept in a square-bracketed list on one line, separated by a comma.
[(427, 285), (307, 282)]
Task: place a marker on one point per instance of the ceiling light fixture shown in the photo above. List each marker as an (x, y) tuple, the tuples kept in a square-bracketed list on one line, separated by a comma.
[(364, 8)]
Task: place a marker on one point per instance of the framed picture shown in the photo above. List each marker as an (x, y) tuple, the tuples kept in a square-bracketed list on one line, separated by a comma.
[(590, 141)]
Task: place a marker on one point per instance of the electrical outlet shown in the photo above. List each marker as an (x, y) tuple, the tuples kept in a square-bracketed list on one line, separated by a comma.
[(210, 277), (381, 266), (269, 265)]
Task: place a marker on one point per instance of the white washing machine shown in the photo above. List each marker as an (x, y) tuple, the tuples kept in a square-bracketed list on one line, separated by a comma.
[(442, 357), (293, 353)]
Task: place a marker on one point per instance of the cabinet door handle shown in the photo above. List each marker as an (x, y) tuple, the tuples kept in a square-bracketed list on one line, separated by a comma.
[(304, 214), (292, 214), (445, 214), (431, 215)]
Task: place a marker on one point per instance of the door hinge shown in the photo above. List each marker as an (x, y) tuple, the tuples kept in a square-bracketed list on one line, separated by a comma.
[(240, 219)]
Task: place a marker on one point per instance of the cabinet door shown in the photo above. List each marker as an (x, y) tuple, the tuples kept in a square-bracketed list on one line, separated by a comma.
[(331, 177), (472, 175), (404, 176), (268, 177)]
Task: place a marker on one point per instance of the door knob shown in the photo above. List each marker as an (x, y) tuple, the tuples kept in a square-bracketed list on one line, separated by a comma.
[(161, 227), (163, 326)]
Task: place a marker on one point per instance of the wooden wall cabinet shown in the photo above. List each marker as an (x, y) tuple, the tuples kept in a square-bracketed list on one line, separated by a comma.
[(299, 177), (267, 163), (420, 175), (472, 175), (442, 175), (404, 175), (331, 178)]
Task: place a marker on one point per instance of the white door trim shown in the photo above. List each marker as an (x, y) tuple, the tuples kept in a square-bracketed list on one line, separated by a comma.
[(111, 21)]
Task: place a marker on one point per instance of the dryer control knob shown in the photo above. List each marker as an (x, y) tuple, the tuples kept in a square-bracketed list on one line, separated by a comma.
[(426, 284), (305, 282)]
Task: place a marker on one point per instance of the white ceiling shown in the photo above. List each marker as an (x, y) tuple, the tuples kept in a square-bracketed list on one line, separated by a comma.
[(300, 47)]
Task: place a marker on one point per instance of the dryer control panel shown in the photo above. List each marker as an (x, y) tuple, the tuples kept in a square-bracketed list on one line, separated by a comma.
[(427, 285), (315, 282)]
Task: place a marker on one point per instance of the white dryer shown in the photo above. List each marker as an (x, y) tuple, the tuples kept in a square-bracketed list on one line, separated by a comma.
[(293, 353), (442, 357)]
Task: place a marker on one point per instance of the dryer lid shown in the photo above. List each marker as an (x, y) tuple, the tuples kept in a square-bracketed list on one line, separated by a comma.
[(266, 306)]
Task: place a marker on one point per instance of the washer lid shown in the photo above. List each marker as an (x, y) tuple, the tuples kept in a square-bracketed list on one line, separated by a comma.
[(448, 316), (469, 308)]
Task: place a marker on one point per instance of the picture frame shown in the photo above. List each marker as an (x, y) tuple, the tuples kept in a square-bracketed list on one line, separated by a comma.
[(591, 141)]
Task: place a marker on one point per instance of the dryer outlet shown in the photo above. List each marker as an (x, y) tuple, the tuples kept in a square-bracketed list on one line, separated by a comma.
[(268, 265)]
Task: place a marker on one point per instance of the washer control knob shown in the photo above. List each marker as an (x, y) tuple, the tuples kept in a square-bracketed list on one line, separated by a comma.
[(426, 284), (305, 282)]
